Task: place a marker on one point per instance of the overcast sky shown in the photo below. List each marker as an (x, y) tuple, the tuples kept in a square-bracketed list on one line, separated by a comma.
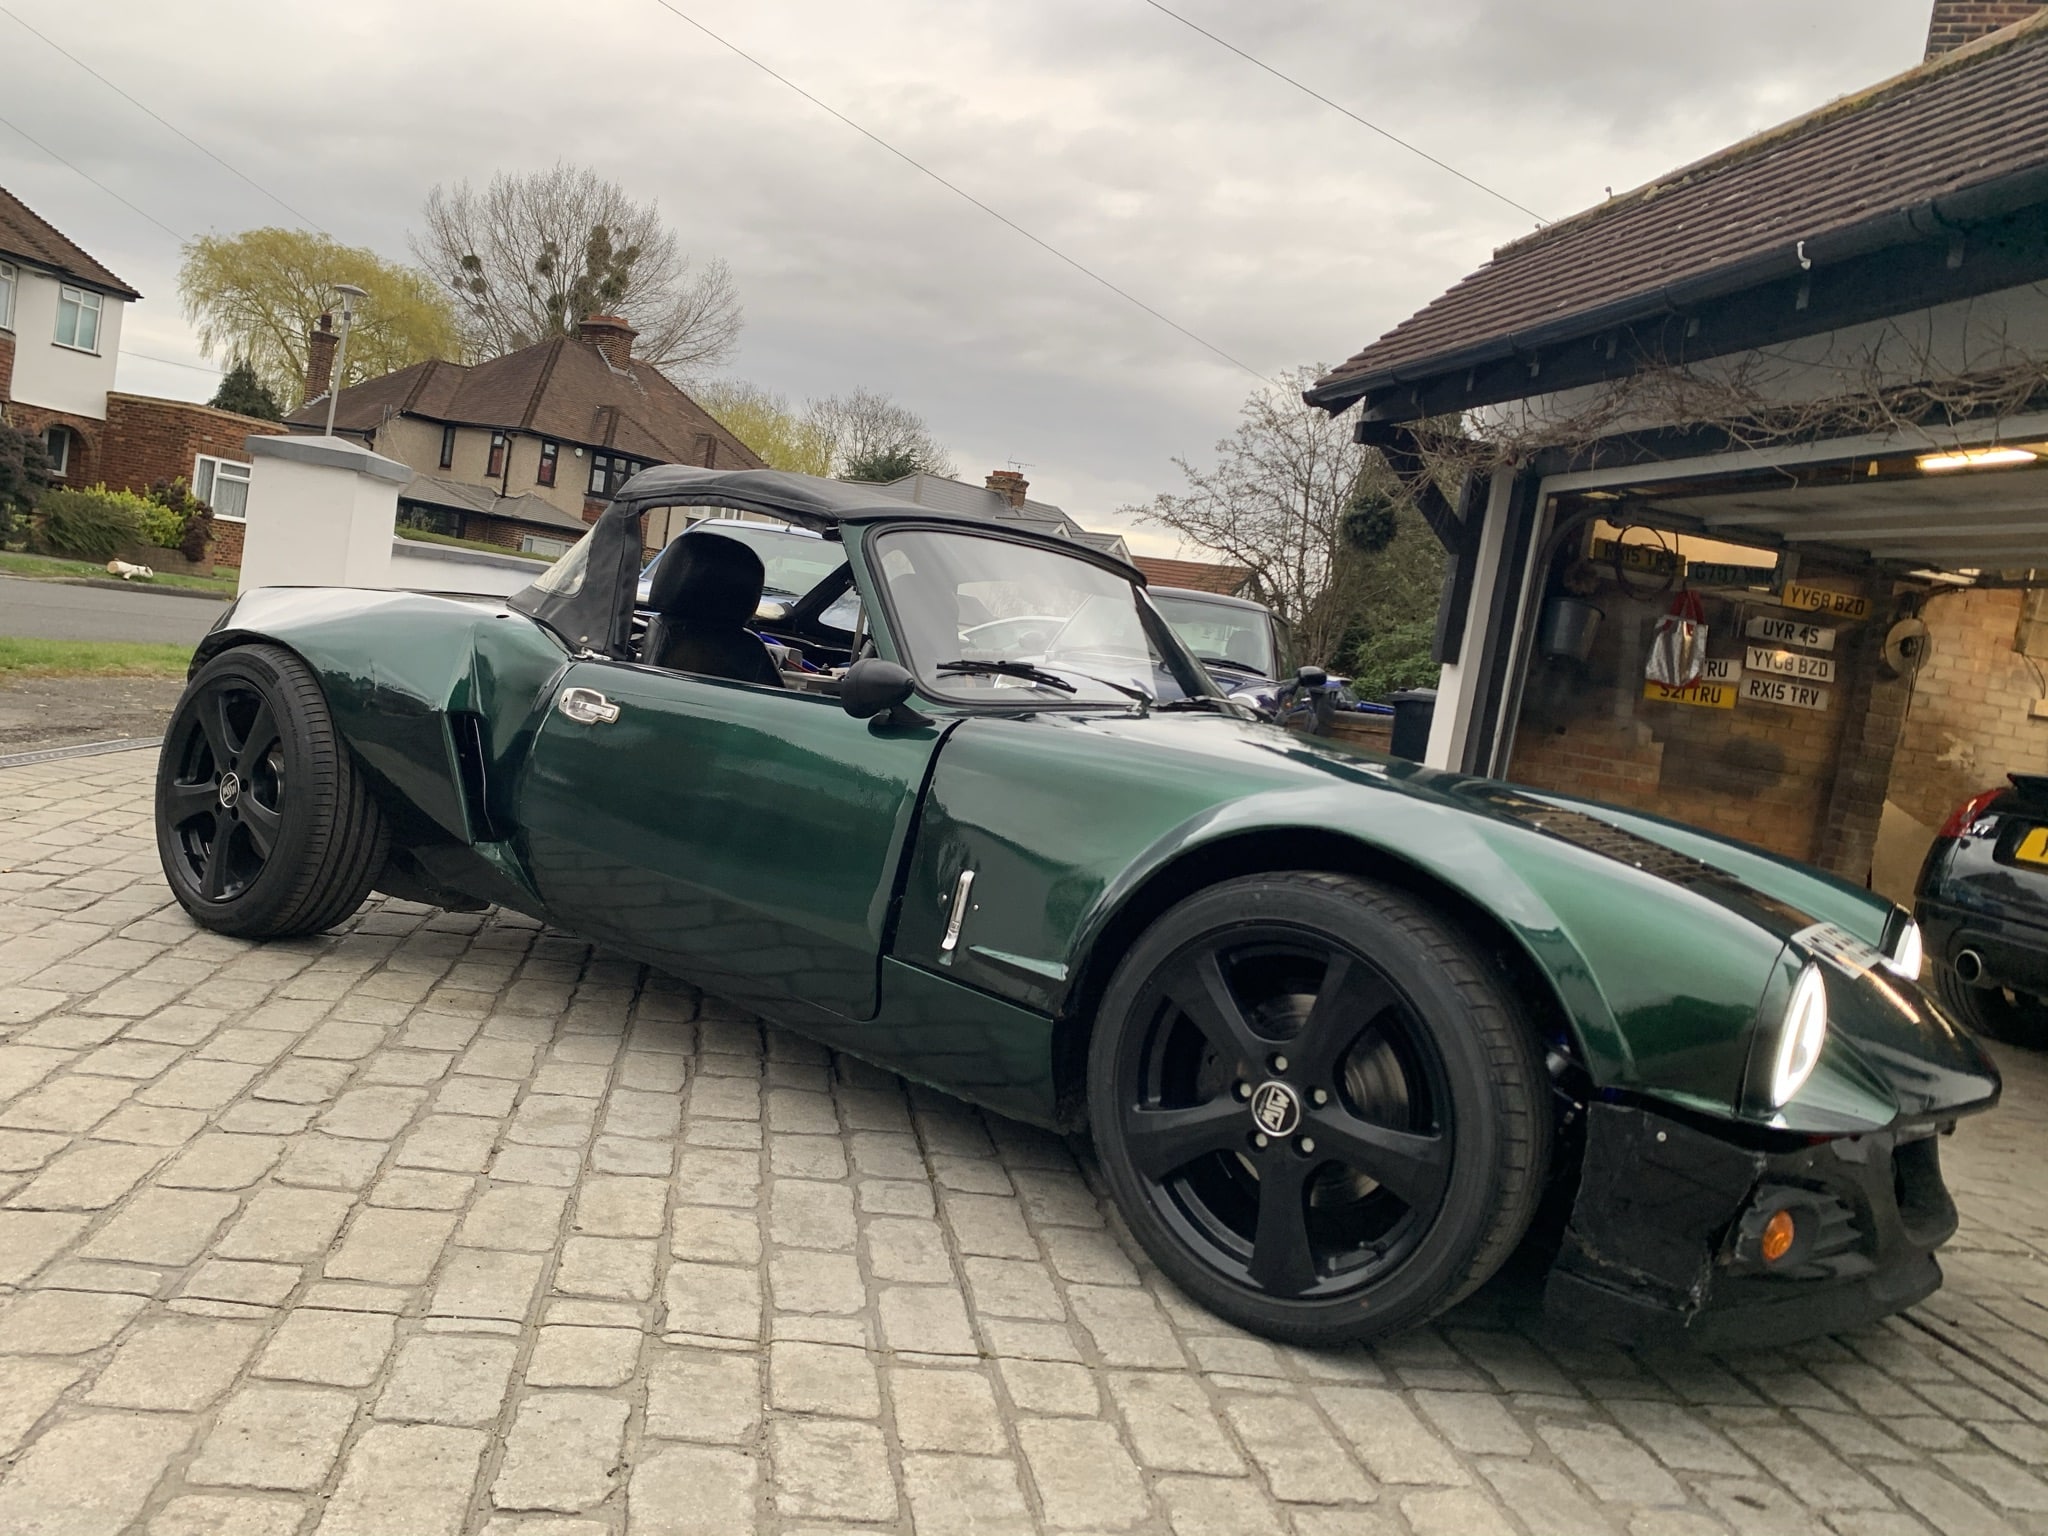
[(1251, 214)]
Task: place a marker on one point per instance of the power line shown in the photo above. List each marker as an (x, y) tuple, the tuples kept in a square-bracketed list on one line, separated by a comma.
[(173, 362), (961, 192), (181, 133), (117, 197), (1337, 107)]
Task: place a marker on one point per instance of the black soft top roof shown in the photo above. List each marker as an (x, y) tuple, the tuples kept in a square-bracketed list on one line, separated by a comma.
[(587, 597)]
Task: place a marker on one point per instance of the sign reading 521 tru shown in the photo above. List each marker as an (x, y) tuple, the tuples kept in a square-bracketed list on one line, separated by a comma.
[(1783, 691), (1812, 637), (1808, 669), (1842, 605)]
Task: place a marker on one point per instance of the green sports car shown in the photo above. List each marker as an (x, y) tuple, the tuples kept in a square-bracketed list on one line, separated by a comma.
[(1346, 1032)]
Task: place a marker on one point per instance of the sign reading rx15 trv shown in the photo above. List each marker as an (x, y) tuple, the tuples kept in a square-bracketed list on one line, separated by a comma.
[(1790, 632), (1782, 690), (1808, 669)]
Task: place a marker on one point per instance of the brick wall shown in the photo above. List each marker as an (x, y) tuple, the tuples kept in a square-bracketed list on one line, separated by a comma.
[(6, 368), (1765, 774), (86, 439), (1968, 726), (148, 439), (227, 543), (1956, 22)]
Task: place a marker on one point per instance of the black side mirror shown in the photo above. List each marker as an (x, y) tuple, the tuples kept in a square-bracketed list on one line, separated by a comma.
[(874, 687), (1312, 677)]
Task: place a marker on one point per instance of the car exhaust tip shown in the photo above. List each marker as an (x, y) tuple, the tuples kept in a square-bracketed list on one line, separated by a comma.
[(1970, 967)]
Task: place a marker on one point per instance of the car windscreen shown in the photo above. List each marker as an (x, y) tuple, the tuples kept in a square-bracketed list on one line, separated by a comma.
[(994, 620), (1221, 632)]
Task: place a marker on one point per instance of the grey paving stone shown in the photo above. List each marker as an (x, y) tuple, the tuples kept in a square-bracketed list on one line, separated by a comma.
[(617, 1267), (715, 1235), (342, 1349), (175, 1364), (28, 1390), (1172, 1424), (391, 1247), (1302, 1461), (30, 1239), (967, 1494), (562, 1453), (1086, 1480), (569, 1356), (823, 1378), (283, 1225), (487, 1283), (275, 1437), (448, 1379), (63, 1322), (832, 1469), (704, 1395), (213, 1514), (414, 1478), (693, 1490), (719, 1300), (526, 1217), (946, 1410), (66, 1484)]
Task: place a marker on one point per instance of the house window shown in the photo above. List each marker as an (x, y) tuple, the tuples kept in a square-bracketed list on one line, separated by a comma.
[(57, 449), (496, 467), (447, 447), (545, 475), (536, 544), (78, 318), (9, 280), (223, 485), (609, 471)]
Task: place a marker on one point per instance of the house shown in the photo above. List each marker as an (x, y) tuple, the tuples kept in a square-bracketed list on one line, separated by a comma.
[(1803, 381), (523, 450), (1002, 496), (1194, 575), (60, 336)]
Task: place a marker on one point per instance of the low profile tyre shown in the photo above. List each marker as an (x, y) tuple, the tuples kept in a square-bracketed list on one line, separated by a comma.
[(263, 822), (1319, 1108), (2017, 1018)]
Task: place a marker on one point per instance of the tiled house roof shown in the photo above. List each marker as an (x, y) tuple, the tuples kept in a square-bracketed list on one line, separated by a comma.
[(26, 236), (1195, 575), (1973, 119), (563, 388)]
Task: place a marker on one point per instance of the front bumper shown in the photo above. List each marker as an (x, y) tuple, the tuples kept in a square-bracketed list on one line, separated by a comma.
[(1662, 1243)]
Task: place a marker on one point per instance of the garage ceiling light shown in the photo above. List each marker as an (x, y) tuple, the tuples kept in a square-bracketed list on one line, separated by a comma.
[(1975, 458)]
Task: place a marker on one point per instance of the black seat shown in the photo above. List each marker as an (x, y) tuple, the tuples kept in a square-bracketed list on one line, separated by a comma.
[(704, 595)]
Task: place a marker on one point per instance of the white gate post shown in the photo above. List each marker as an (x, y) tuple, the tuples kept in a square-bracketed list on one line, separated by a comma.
[(321, 513)]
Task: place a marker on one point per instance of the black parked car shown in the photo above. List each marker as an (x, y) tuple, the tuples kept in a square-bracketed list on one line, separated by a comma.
[(1249, 651), (1983, 909)]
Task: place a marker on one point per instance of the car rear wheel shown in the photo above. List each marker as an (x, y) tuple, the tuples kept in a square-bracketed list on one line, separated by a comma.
[(2017, 1018), (1319, 1108), (264, 825)]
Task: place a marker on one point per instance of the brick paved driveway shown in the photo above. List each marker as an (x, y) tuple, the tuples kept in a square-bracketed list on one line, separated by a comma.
[(446, 1223)]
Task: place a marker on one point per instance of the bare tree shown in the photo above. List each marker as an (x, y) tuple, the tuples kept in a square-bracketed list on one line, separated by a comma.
[(533, 254), (1295, 501), (874, 438)]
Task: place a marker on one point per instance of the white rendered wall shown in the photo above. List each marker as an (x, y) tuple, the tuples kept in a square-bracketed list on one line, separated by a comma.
[(61, 378), (422, 567), (321, 514)]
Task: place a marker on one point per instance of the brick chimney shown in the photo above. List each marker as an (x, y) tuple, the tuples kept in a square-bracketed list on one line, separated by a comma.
[(1009, 485), (320, 347), (1956, 22), (613, 336)]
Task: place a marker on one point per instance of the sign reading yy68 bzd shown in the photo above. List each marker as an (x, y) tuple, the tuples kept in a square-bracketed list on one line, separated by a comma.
[(1843, 605), (1808, 669)]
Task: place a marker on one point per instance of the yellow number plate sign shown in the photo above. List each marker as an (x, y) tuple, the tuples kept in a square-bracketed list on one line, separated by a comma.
[(1704, 695)]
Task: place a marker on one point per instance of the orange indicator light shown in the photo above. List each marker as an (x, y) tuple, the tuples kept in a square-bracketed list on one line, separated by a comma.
[(1778, 1234)]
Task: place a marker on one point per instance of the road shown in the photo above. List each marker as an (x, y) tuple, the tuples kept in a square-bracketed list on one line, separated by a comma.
[(55, 610)]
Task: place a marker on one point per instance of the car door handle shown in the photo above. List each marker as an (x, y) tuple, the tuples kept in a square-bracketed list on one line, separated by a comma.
[(586, 706)]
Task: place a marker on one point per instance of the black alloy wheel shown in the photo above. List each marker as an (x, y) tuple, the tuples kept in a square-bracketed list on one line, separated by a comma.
[(223, 800), (265, 826), (1319, 1109)]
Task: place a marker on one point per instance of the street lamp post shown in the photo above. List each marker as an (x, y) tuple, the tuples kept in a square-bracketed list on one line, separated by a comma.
[(349, 294)]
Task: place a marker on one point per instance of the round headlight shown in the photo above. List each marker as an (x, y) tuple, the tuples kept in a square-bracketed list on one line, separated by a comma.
[(1801, 1036), (1906, 955)]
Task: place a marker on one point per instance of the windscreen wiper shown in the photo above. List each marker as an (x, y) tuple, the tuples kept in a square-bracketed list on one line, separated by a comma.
[(1200, 701), (1022, 669)]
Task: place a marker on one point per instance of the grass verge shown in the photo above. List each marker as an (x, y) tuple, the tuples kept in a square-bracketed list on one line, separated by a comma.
[(48, 568), (90, 658)]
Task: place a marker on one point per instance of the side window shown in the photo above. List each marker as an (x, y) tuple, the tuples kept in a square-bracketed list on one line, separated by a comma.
[(78, 318), (496, 467)]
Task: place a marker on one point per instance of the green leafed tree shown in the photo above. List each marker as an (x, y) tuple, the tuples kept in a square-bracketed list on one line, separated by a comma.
[(534, 254), (860, 435), (240, 390), (784, 438), (254, 298), (24, 476)]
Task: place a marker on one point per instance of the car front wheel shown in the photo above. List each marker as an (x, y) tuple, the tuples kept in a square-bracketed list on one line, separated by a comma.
[(1318, 1106), (264, 825)]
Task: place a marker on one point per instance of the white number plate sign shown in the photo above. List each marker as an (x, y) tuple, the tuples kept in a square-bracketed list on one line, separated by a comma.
[(1808, 669), (1782, 690), (1813, 637), (1725, 669)]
